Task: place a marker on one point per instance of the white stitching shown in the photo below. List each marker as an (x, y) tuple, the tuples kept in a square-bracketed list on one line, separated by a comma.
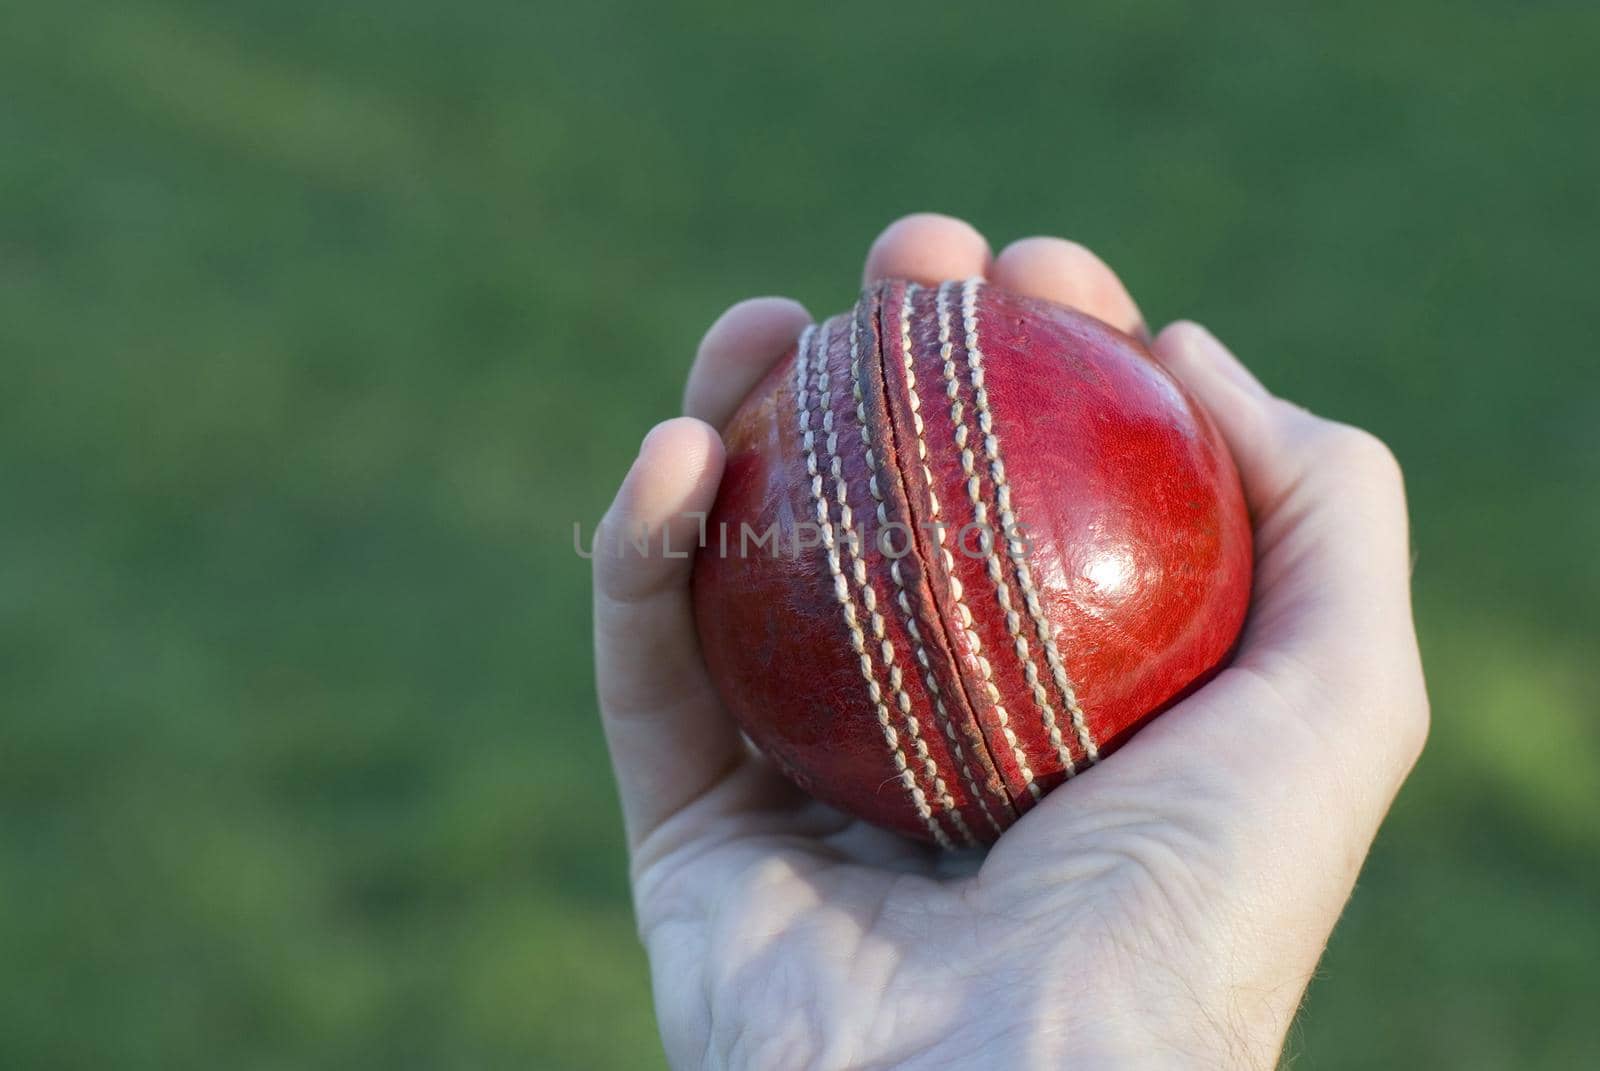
[(1014, 550), (992, 560), (873, 470), (841, 587), (938, 528), (859, 569), (957, 409)]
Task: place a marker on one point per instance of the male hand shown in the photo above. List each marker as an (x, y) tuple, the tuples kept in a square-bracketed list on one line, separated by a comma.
[(1163, 909)]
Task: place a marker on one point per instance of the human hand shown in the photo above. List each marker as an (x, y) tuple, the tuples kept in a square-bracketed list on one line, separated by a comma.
[(1165, 908)]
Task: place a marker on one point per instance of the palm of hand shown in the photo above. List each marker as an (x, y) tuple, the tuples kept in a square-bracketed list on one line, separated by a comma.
[(1166, 907)]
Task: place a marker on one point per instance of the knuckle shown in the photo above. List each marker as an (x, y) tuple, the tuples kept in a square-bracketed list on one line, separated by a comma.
[(1363, 452), (1354, 462), (622, 566), (1413, 727)]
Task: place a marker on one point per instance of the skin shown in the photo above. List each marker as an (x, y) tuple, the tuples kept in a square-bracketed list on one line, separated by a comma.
[(1165, 909)]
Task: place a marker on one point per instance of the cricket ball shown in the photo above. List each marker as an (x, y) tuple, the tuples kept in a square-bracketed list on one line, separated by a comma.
[(965, 545)]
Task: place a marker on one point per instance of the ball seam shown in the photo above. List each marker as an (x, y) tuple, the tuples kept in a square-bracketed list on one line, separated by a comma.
[(841, 587), (1017, 555), (908, 615), (966, 623), (862, 575)]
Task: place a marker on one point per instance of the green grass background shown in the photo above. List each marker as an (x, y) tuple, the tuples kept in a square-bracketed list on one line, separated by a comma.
[(321, 323)]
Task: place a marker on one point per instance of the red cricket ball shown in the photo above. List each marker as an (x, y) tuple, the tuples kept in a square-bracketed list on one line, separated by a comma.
[(966, 544)]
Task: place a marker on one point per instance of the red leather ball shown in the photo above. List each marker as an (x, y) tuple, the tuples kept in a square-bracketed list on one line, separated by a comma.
[(966, 544)]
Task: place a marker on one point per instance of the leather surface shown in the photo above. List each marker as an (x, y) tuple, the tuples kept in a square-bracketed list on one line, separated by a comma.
[(929, 686)]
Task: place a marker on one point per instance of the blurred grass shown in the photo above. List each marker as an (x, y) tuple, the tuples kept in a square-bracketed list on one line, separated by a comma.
[(320, 324)]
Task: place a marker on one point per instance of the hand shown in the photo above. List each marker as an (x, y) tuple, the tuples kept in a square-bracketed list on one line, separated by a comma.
[(1166, 908)]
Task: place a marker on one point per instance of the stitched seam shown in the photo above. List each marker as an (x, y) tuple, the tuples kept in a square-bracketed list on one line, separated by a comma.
[(957, 409), (841, 587), (997, 576), (854, 550), (1019, 560), (904, 601)]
